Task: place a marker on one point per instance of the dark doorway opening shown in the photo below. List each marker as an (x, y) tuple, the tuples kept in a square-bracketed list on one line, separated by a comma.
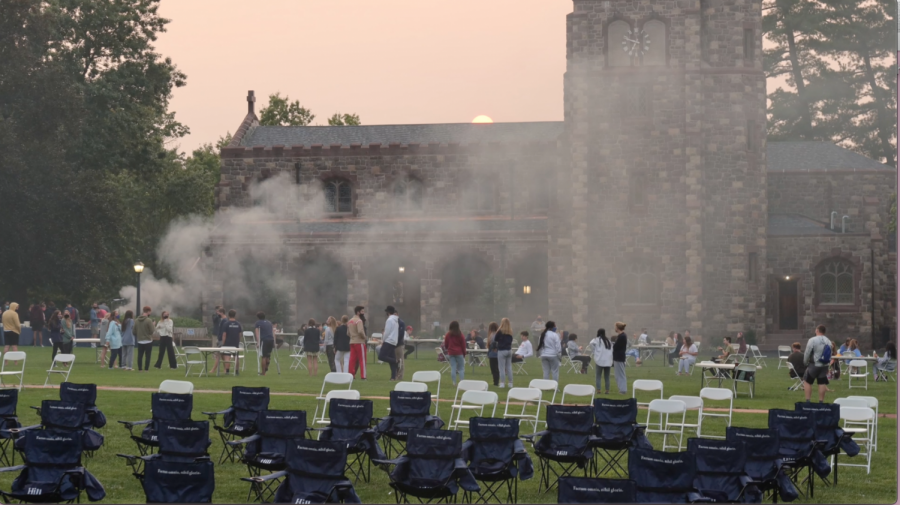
[(397, 282), (788, 317), (531, 289), (321, 289), (463, 289)]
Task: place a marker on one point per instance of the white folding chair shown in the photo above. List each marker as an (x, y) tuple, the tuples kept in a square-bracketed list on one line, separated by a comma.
[(445, 364), (427, 377), (798, 380), (648, 385), (180, 357), (758, 358), (861, 372), (463, 386), (665, 409), (863, 421), (249, 339), (690, 403), (528, 396), (519, 367), (62, 365), (872, 403), (744, 373), (336, 380), (889, 369), (176, 387), (715, 395), (298, 355), (343, 394), (193, 356), (11, 357), (474, 400), (568, 363), (578, 390), (545, 385), (784, 352)]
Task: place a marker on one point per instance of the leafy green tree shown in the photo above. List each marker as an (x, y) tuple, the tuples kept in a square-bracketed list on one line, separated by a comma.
[(283, 112), (338, 119)]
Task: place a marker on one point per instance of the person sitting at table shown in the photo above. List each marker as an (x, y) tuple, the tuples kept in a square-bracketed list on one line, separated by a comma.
[(679, 342), (574, 351), (742, 343), (854, 351), (688, 356), (882, 362), (726, 351), (670, 340), (796, 360), (410, 348), (525, 350), (844, 348), (634, 352)]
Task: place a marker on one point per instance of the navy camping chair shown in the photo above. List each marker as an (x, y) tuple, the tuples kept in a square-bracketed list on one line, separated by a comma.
[(408, 411), (239, 420), (764, 465), (497, 459), (266, 449), (9, 401), (165, 407), (86, 394), (179, 442), (663, 477), (432, 470), (565, 442), (721, 473), (588, 490), (615, 431), (53, 472), (59, 415), (314, 474), (351, 422), (829, 433), (798, 447), (167, 481)]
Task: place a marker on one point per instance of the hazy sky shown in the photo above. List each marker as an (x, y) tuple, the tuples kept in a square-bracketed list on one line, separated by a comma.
[(390, 61)]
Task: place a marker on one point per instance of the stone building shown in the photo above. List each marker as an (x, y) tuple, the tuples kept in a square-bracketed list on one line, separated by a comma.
[(657, 201)]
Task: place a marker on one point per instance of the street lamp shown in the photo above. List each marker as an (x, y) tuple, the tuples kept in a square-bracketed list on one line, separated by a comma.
[(526, 290), (138, 268), (402, 270)]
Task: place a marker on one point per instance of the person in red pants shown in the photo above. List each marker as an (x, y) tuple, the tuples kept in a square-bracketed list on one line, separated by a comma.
[(357, 329)]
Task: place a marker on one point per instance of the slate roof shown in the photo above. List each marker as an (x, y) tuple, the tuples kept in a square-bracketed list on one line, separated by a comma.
[(813, 155), (795, 224), (463, 133), (781, 156)]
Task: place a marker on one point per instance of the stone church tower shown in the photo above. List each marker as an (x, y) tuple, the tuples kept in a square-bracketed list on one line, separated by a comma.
[(661, 197)]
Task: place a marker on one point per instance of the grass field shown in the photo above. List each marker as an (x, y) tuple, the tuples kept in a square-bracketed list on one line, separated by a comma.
[(855, 486)]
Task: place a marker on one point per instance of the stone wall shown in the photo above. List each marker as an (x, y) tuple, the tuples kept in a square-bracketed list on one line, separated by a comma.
[(816, 195), (798, 257)]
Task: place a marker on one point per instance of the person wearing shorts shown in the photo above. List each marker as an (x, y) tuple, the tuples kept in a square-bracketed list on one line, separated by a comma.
[(231, 337), (265, 338), (816, 371), (11, 328)]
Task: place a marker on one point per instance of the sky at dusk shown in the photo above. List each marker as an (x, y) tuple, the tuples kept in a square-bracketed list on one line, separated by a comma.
[(390, 61)]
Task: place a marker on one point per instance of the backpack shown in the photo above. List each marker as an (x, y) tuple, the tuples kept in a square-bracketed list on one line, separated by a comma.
[(826, 355)]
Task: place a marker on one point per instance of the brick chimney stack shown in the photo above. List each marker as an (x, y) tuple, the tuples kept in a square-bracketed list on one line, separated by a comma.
[(251, 98)]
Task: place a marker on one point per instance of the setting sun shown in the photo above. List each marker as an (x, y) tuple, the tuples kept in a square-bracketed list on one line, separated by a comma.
[(482, 119)]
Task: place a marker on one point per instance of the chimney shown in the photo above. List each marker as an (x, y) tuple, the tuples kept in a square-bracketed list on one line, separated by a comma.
[(251, 98)]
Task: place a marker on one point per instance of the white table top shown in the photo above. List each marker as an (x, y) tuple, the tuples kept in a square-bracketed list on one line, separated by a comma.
[(710, 364), (86, 340), (424, 340), (654, 346), (848, 357), (219, 349)]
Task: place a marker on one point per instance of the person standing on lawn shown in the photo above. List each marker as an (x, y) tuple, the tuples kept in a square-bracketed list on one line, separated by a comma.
[(104, 344), (265, 340), (357, 327), (504, 340), (231, 337), (127, 358), (95, 321), (114, 337), (389, 340), (54, 324), (342, 347), (311, 338), (549, 349), (619, 347), (68, 334), (601, 350), (37, 323), (329, 328), (817, 361), (165, 328), (12, 328), (143, 329)]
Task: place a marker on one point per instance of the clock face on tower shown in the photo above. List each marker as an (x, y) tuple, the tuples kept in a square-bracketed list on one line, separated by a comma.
[(636, 42)]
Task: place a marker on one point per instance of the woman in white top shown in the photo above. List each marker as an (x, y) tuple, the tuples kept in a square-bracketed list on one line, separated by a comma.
[(165, 330), (688, 356), (601, 350), (549, 349)]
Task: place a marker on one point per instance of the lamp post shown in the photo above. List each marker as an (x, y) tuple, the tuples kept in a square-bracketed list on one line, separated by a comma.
[(138, 268)]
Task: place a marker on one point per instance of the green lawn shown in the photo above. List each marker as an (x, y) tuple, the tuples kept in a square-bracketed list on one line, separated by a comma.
[(855, 486)]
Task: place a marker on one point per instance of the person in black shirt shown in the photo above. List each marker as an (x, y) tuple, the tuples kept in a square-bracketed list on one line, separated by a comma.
[(265, 340), (311, 338), (342, 347), (796, 359), (231, 337), (619, 358)]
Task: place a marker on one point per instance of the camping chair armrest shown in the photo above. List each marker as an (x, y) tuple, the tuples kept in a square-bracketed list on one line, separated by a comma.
[(531, 437), (251, 438), (388, 461), (38, 409), (746, 480), (265, 478), (130, 424), (694, 497), (16, 468), (130, 459), (16, 431), (212, 415)]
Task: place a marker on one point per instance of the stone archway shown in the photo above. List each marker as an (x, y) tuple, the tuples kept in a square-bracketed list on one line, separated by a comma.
[(531, 272), (321, 288), (462, 287), (388, 285)]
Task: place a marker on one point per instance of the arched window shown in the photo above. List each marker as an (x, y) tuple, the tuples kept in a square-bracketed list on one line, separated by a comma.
[(615, 35), (640, 286), (656, 33), (338, 196), (408, 193), (836, 282)]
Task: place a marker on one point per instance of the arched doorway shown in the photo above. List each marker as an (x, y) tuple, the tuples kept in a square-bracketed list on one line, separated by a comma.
[(463, 282), (254, 284), (321, 289), (394, 280), (531, 291)]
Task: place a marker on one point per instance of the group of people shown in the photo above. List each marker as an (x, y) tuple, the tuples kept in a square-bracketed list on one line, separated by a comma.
[(120, 334), (498, 344), (815, 364), (60, 324)]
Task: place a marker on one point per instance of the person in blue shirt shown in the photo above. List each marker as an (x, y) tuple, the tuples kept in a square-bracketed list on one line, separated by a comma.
[(265, 339), (844, 348), (231, 337)]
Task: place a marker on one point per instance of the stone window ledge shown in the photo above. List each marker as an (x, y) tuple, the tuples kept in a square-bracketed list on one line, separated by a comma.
[(837, 308), (643, 308)]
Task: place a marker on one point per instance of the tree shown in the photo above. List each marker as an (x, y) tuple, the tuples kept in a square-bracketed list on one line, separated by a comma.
[(837, 56), (283, 112), (338, 119)]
